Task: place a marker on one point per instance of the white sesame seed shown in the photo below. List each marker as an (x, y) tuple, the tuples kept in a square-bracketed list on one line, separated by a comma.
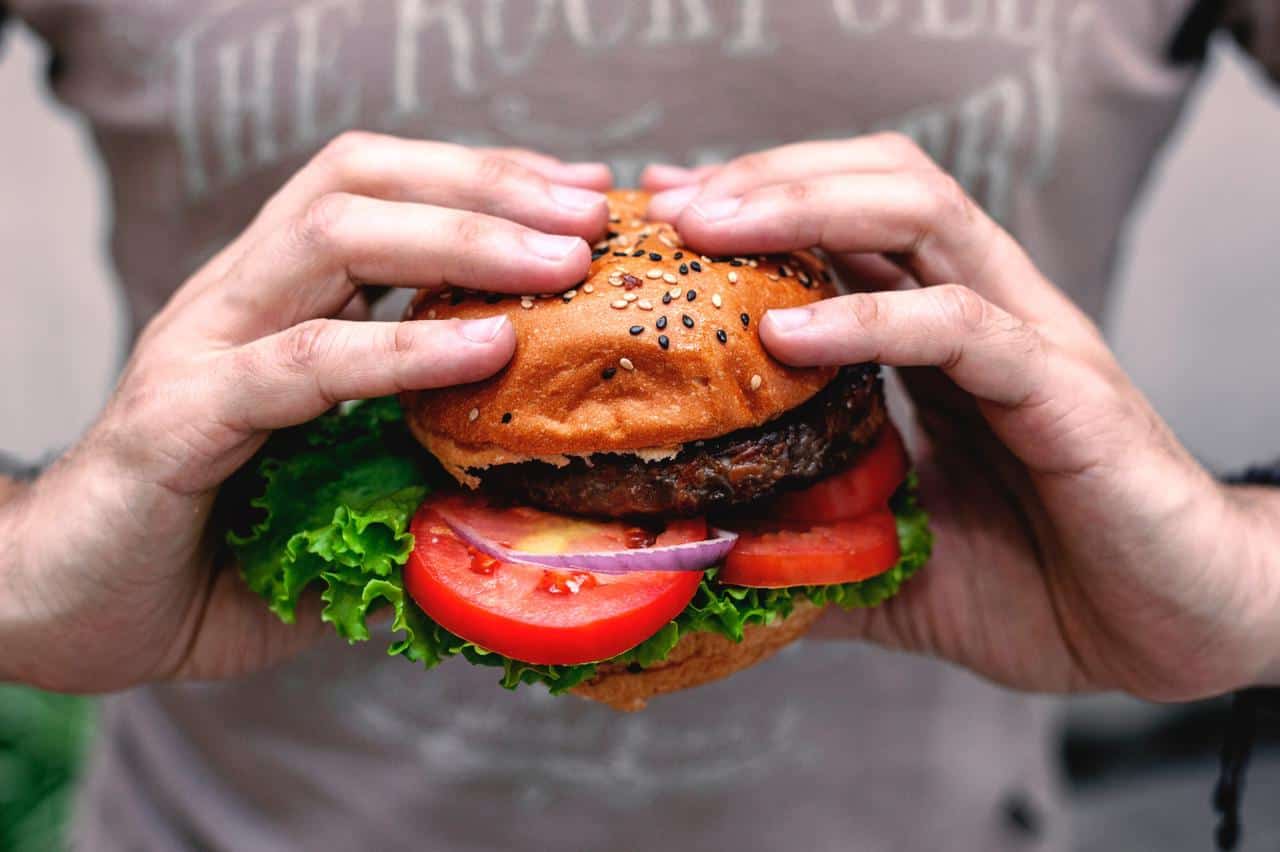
[(654, 273), (674, 292), (636, 223), (619, 303), (630, 297), (669, 278), (666, 241), (756, 381), (526, 304), (473, 414), (589, 288), (716, 300), (644, 305), (705, 259), (785, 270), (753, 263), (773, 277), (601, 246), (733, 277), (625, 363), (444, 294)]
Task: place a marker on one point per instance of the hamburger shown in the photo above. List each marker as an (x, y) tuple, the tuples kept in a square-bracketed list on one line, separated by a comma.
[(642, 501)]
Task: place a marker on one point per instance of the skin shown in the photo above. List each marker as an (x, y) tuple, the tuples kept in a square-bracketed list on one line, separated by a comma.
[(1079, 545), (107, 570)]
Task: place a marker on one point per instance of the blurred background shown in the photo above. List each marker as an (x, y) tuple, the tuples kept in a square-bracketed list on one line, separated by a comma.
[(1194, 320)]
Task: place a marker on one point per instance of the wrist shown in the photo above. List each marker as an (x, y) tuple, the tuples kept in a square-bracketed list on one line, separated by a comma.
[(1257, 509), (16, 605)]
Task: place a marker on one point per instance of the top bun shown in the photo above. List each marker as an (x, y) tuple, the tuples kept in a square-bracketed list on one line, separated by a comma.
[(581, 382)]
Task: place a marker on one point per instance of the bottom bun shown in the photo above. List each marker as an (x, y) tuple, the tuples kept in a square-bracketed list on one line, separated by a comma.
[(696, 659)]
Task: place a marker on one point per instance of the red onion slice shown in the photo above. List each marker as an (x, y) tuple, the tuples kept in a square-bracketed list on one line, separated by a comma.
[(693, 556)]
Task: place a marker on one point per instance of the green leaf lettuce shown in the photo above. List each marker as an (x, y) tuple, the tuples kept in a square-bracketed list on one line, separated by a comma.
[(329, 504)]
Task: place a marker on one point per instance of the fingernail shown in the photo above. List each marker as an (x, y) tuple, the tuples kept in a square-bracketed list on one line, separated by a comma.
[(574, 197), (712, 209), (550, 246), (788, 319), (671, 203), (482, 330)]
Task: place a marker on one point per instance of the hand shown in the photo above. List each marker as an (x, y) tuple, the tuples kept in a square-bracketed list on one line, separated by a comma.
[(1079, 546), (109, 579)]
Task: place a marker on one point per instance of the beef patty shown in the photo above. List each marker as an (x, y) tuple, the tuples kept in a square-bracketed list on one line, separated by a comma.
[(818, 437)]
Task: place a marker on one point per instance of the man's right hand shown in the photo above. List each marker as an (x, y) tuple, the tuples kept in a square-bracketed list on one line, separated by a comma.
[(107, 575)]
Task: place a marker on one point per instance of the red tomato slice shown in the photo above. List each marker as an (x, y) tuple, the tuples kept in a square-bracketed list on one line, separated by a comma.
[(532, 530), (863, 487), (781, 555), (538, 615)]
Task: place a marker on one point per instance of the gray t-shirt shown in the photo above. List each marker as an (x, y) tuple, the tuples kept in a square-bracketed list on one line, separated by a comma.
[(1049, 111)]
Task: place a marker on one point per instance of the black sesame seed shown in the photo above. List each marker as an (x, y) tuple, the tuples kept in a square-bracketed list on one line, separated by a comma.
[(666, 298), (825, 275), (638, 253), (721, 336), (678, 255), (493, 298), (687, 320), (697, 267), (457, 297), (506, 418), (637, 329), (693, 294), (599, 253), (746, 320), (684, 269), (654, 256), (735, 263), (664, 341), (608, 373), (620, 254), (661, 323)]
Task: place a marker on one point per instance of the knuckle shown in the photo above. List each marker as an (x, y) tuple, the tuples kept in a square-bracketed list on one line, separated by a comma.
[(798, 193), (903, 149), (321, 223), (864, 309), (470, 233), (401, 339), (959, 306), (947, 198), (496, 170), (749, 166), (343, 151), (306, 345)]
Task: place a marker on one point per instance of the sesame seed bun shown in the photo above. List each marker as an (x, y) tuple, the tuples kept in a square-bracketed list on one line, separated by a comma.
[(697, 658), (598, 368)]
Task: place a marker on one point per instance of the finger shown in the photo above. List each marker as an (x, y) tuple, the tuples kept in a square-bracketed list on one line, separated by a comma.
[(443, 174), (864, 272), (588, 175), (884, 152), (299, 373), (660, 177), (922, 219), (311, 268), (357, 310), (985, 350)]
